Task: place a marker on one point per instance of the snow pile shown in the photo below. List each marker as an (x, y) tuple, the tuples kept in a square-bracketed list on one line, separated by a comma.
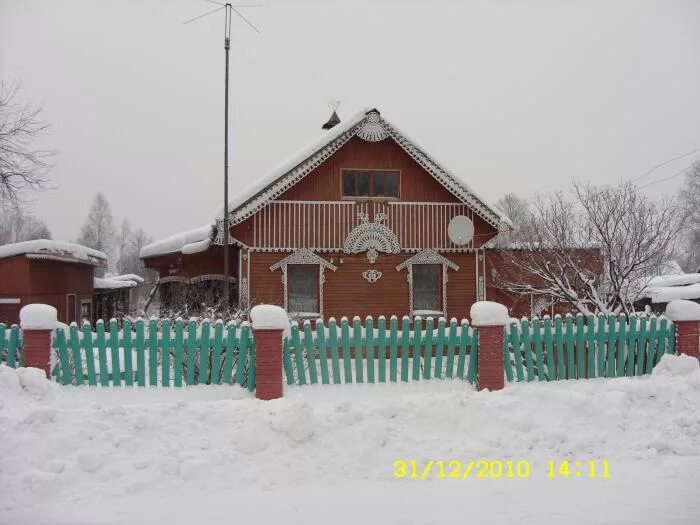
[(681, 310), (90, 455), (175, 243), (488, 313), (677, 365), (269, 316), (38, 317), (50, 249), (666, 288)]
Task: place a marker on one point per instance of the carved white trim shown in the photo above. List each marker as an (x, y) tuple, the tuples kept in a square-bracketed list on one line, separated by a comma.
[(244, 293), (369, 130), (303, 256), (372, 275), (427, 256), (372, 129), (371, 236)]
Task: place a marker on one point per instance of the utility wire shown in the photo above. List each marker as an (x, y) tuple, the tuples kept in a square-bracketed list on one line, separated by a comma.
[(664, 164), (681, 172)]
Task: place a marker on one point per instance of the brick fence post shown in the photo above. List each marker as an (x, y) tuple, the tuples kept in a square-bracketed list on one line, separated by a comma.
[(686, 316), (490, 318), (269, 324), (38, 321)]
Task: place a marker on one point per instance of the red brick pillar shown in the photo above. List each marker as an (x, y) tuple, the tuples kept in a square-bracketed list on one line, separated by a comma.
[(490, 319), (269, 324), (38, 322), (688, 338), (686, 316)]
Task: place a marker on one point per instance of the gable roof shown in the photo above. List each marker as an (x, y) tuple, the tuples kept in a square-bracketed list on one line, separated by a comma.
[(369, 125)]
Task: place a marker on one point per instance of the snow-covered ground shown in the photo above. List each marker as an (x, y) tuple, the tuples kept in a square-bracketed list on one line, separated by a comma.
[(324, 454)]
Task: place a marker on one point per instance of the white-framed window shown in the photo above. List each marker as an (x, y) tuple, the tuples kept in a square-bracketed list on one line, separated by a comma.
[(86, 310), (426, 287), (427, 282), (302, 282), (303, 288)]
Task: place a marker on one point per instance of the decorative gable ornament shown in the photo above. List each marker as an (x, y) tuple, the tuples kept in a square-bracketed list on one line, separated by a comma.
[(371, 237), (372, 129)]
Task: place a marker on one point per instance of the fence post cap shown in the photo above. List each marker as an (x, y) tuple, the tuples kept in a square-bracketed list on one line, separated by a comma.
[(269, 317), (38, 316), (683, 310), (488, 313)]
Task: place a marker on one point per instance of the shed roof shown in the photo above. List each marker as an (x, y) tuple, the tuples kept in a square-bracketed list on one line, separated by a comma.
[(54, 250)]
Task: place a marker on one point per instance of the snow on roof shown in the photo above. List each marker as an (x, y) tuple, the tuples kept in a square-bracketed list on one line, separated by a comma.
[(106, 283), (56, 250), (665, 294), (127, 277), (178, 243), (674, 280)]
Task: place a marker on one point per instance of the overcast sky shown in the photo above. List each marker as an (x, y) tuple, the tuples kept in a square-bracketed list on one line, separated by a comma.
[(510, 95)]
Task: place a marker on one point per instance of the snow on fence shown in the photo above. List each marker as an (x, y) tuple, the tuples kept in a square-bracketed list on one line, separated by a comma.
[(156, 354), (578, 348), (355, 354), (11, 345)]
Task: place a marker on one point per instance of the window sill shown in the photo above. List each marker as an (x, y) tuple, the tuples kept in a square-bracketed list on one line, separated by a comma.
[(427, 313), (304, 315)]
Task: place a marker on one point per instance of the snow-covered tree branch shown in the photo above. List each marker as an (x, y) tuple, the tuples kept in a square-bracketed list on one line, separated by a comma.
[(595, 250)]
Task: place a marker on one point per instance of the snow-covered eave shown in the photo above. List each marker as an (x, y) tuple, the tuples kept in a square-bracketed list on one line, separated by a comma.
[(665, 294), (188, 242), (107, 284)]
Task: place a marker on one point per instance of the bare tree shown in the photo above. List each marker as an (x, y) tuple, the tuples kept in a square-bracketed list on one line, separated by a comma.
[(633, 235), (690, 198), (23, 166), (98, 229), (16, 226), (517, 210)]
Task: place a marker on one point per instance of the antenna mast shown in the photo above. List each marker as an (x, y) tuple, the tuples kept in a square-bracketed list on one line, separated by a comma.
[(229, 9)]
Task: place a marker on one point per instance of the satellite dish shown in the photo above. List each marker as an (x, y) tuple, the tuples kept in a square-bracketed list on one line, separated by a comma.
[(460, 230)]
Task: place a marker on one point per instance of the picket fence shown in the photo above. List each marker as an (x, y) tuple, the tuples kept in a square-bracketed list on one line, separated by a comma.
[(576, 347), (150, 354), (188, 353), (362, 353), (11, 346)]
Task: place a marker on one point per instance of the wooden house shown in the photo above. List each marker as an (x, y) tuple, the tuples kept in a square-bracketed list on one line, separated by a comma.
[(362, 221), (56, 273), (61, 274)]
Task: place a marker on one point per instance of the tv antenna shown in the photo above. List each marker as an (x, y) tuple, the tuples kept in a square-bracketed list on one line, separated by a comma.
[(229, 9)]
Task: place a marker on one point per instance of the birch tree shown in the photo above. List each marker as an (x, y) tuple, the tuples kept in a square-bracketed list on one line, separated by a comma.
[(98, 229), (16, 225), (690, 198), (631, 234)]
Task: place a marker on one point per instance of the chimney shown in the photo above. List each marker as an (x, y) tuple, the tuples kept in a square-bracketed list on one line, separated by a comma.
[(334, 120)]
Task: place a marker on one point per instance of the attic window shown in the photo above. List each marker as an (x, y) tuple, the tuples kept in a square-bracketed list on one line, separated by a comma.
[(371, 183)]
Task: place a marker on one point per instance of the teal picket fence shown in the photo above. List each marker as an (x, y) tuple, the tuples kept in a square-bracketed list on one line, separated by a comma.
[(156, 354), (580, 348), (388, 352), (11, 346)]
